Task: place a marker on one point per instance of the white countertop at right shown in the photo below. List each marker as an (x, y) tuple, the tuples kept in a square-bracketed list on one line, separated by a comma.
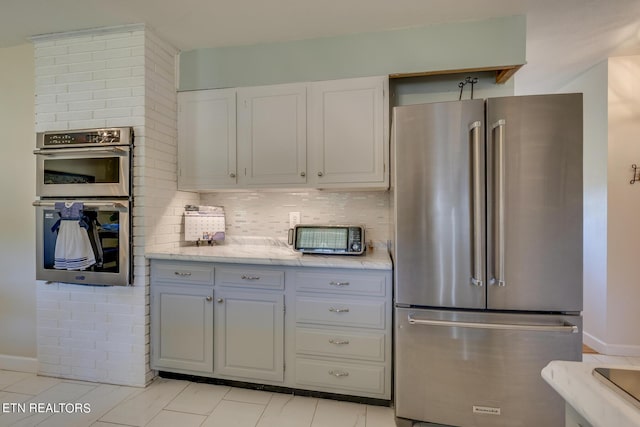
[(589, 396)]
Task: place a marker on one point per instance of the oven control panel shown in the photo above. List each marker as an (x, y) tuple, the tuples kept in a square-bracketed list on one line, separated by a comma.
[(85, 138)]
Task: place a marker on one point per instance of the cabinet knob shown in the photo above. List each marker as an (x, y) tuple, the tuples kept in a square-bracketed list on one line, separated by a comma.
[(220, 300), (320, 174), (209, 299), (303, 174), (232, 175)]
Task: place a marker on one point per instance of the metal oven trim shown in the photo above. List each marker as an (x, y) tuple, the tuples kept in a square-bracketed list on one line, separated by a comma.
[(73, 145), (122, 188), (84, 277), (65, 138)]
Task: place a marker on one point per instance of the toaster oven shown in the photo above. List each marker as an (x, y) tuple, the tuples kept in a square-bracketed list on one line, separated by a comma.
[(328, 239)]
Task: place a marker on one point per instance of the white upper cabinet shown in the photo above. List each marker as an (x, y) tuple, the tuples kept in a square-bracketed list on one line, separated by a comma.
[(272, 135), (329, 134), (207, 139), (348, 130)]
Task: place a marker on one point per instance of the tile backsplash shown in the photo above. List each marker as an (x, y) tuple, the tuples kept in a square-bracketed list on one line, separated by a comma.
[(267, 213)]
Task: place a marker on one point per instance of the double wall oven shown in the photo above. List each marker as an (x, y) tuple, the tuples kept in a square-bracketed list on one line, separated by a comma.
[(83, 211)]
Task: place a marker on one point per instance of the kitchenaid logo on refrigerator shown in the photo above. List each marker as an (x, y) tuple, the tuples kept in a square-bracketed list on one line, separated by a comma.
[(486, 410)]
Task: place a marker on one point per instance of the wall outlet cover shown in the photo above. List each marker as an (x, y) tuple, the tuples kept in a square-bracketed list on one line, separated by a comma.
[(294, 219)]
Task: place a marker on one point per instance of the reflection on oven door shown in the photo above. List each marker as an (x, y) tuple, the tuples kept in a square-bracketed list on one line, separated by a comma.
[(83, 172), (106, 227)]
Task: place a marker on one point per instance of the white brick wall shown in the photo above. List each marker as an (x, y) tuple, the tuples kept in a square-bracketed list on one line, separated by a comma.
[(90, 80), (118, 77), (155, 183)]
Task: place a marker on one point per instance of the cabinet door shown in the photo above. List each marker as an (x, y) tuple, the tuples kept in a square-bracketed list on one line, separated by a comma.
[(272, 134), (206, 139), (250, 335), (349, 131), (182, 327)]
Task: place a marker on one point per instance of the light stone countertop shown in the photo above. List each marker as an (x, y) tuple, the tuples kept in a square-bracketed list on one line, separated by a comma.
[(589, 396), (273, 253)]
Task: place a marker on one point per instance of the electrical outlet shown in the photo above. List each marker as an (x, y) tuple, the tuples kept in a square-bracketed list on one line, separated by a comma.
[(294, 219)]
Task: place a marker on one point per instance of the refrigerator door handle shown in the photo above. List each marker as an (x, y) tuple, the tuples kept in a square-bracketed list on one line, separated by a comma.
[(566, 327), (498, 203), (478, 216)]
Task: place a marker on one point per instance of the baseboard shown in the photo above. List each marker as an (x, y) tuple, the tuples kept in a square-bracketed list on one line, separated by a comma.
[(610, 349), (19, 364), (593, 342)]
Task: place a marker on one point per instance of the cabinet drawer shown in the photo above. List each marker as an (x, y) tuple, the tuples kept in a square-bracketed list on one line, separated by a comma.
[(342, 282), (192, 273), (340, 375), (341, 343), (341, 312), (249, 277)]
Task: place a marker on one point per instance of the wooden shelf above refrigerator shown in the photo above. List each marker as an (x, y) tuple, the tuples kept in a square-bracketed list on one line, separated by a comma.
[(503, 72)]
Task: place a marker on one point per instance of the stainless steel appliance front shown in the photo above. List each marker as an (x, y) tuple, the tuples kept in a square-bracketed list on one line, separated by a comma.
[(531, 225), (481, 368), (487, 202), (109, 231), (625, 382), (328, 239), (87, 163)]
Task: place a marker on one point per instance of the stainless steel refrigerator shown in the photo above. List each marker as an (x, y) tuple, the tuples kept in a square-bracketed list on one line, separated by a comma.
[(487, 199)]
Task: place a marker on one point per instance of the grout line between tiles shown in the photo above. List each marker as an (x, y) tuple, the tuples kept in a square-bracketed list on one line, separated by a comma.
[(315, 410)]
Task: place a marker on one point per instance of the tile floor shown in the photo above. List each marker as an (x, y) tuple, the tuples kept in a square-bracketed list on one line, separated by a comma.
[(171, 403), (176, 403)]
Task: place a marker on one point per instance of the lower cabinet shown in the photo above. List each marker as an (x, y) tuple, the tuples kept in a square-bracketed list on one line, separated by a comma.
[(182, 327), (319, 329), (342, 331), (341, 343), (249, 335), (349, 377)]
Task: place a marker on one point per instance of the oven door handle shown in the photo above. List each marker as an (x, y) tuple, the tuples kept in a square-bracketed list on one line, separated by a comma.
[(98, 205), (88, 150)]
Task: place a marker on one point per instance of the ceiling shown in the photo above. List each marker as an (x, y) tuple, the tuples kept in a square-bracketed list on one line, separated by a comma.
[(563, 36)]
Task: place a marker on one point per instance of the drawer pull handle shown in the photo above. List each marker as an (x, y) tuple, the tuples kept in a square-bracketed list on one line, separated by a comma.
[(339, 342), (338, 310), (245, 277), (333, 283), (182, 274), (339, 374)]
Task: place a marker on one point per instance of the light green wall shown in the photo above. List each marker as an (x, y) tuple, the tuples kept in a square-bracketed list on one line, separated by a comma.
[(17, 218), (492, 42), (419, 90)]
